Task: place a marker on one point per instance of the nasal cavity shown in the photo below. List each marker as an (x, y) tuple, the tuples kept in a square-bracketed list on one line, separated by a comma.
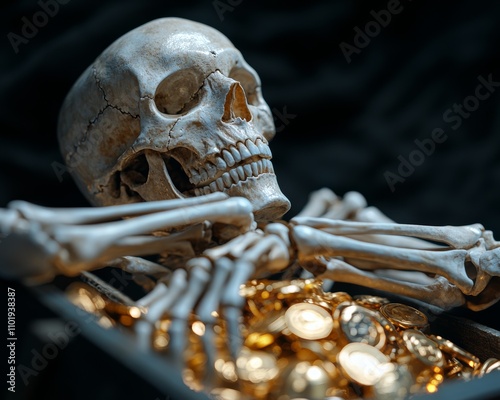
[(235, 105)]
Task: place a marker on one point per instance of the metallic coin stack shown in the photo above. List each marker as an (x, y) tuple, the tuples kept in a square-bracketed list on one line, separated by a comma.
[(303, 343)]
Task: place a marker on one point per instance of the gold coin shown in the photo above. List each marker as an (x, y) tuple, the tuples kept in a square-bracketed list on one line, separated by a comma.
[(404, 316), (451, 348), (362, 325), (370, 301), (256, 366), (394, 384), (363, 363), (308, 321), (423, 348), (335, 298), (222, 393)]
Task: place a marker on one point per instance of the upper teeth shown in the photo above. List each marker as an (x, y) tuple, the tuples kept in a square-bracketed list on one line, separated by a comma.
[(254, 159)]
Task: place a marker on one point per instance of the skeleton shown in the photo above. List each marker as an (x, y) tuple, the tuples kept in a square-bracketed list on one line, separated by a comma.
[(169, 131)]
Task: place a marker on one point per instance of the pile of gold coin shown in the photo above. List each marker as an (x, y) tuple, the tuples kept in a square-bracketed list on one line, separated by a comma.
[(300, 342)]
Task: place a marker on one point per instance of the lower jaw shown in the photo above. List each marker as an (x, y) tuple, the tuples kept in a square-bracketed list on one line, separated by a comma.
[(263, 192)]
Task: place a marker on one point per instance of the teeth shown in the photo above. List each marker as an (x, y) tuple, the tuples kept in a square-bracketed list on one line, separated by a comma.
[(226, 178), (234, 175), (248, 170), (260, 167), (255, 169), (268, 165), (203, 174), (221, 164), (262, 147), (195, 177), (211, 169), (228, 158), (241, 173), (254, 150), (220, 184), (235, 153), (243, 151)]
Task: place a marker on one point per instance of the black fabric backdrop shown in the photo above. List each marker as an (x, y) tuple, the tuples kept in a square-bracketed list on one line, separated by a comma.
[(349, 122)]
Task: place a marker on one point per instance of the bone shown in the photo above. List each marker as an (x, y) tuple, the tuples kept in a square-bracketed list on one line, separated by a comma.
[(269, 255), (179, 243), (232, 304), (159, 184), (210, 304), (156, 294), (234, 248), (160, 302), (459, 237), (371, 214), (482, 275), (490, 241), (8, 221), (351, 203), (211, 299), (89, 215), (90, 242), (136, 265), (440, 293), (26, 251), (107, 289), (490, 262), (319, 202), (488, 297), (450, 264), (280, 230), (181, 309), (374, 215)]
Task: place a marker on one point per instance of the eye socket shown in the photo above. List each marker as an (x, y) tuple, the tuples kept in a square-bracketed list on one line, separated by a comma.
[(248, 83), (178, 92)]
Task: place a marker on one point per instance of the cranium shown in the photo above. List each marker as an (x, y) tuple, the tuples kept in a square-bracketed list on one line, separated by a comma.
[(170, 110)]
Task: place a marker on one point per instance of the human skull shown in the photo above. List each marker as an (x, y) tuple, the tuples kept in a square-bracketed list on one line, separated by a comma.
[(170, 110)]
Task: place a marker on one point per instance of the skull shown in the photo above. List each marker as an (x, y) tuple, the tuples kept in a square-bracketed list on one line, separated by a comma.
[(170, 110)]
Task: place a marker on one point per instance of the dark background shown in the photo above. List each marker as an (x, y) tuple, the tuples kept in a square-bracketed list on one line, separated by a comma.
[(351, 120)]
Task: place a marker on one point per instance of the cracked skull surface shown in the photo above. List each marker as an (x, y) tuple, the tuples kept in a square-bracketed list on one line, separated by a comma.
[(170, 110)]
